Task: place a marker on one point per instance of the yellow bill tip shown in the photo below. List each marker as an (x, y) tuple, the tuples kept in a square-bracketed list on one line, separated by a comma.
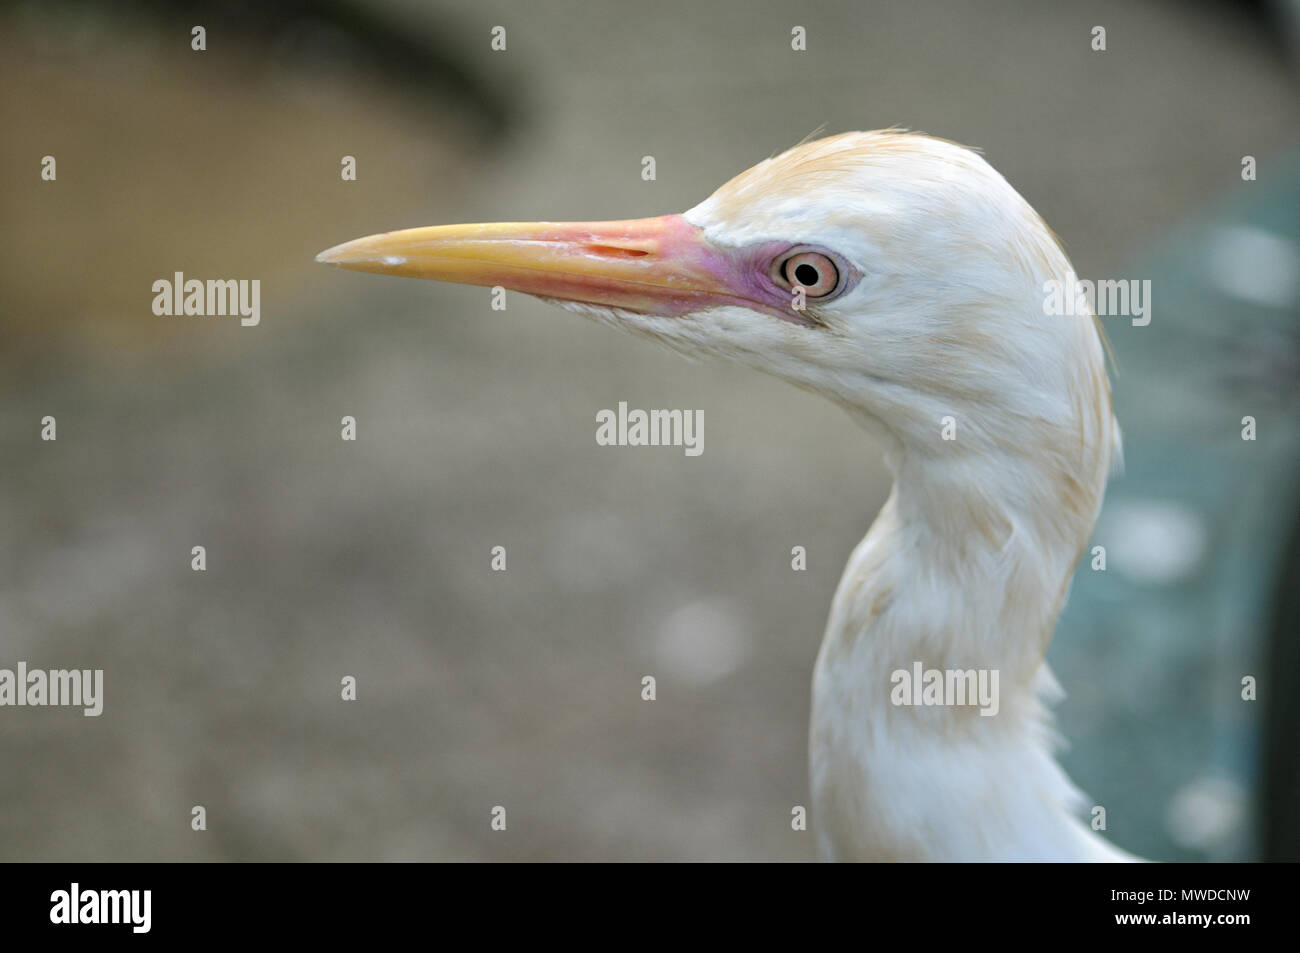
[(359, 250)]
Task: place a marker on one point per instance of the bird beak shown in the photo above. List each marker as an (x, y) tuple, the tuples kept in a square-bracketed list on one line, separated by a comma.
[(660, 266)]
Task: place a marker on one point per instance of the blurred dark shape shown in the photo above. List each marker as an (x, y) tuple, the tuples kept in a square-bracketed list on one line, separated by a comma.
[(1276, 21), (330, 36), (1280, 791)]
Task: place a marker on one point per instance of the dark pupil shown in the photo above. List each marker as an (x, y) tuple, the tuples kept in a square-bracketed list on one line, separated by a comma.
[(806, 275)]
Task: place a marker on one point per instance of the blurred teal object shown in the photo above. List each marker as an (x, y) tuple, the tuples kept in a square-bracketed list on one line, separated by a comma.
[(1198, 532)]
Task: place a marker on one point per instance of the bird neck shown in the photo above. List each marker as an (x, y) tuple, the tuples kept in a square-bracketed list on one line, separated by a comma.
[(971, 558), (953, 593)]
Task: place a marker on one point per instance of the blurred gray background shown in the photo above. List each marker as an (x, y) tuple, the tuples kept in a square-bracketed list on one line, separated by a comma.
[(371, 559)]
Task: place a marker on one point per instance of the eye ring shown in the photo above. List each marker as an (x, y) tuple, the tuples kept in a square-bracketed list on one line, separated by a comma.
[(815, 272)]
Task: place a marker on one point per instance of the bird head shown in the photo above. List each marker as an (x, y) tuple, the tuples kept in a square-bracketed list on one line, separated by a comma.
[(895, 273)]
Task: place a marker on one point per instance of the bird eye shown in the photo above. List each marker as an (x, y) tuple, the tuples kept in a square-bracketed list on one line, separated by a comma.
[(813, 271)]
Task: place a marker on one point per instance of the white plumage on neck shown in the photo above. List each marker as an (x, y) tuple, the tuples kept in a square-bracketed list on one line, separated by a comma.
[(918, 783)]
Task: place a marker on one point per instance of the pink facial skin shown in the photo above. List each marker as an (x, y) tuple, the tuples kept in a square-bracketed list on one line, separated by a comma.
[(662, 265)]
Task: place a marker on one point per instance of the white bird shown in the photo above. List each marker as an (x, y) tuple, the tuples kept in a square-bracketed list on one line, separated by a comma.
[(922, 275)]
